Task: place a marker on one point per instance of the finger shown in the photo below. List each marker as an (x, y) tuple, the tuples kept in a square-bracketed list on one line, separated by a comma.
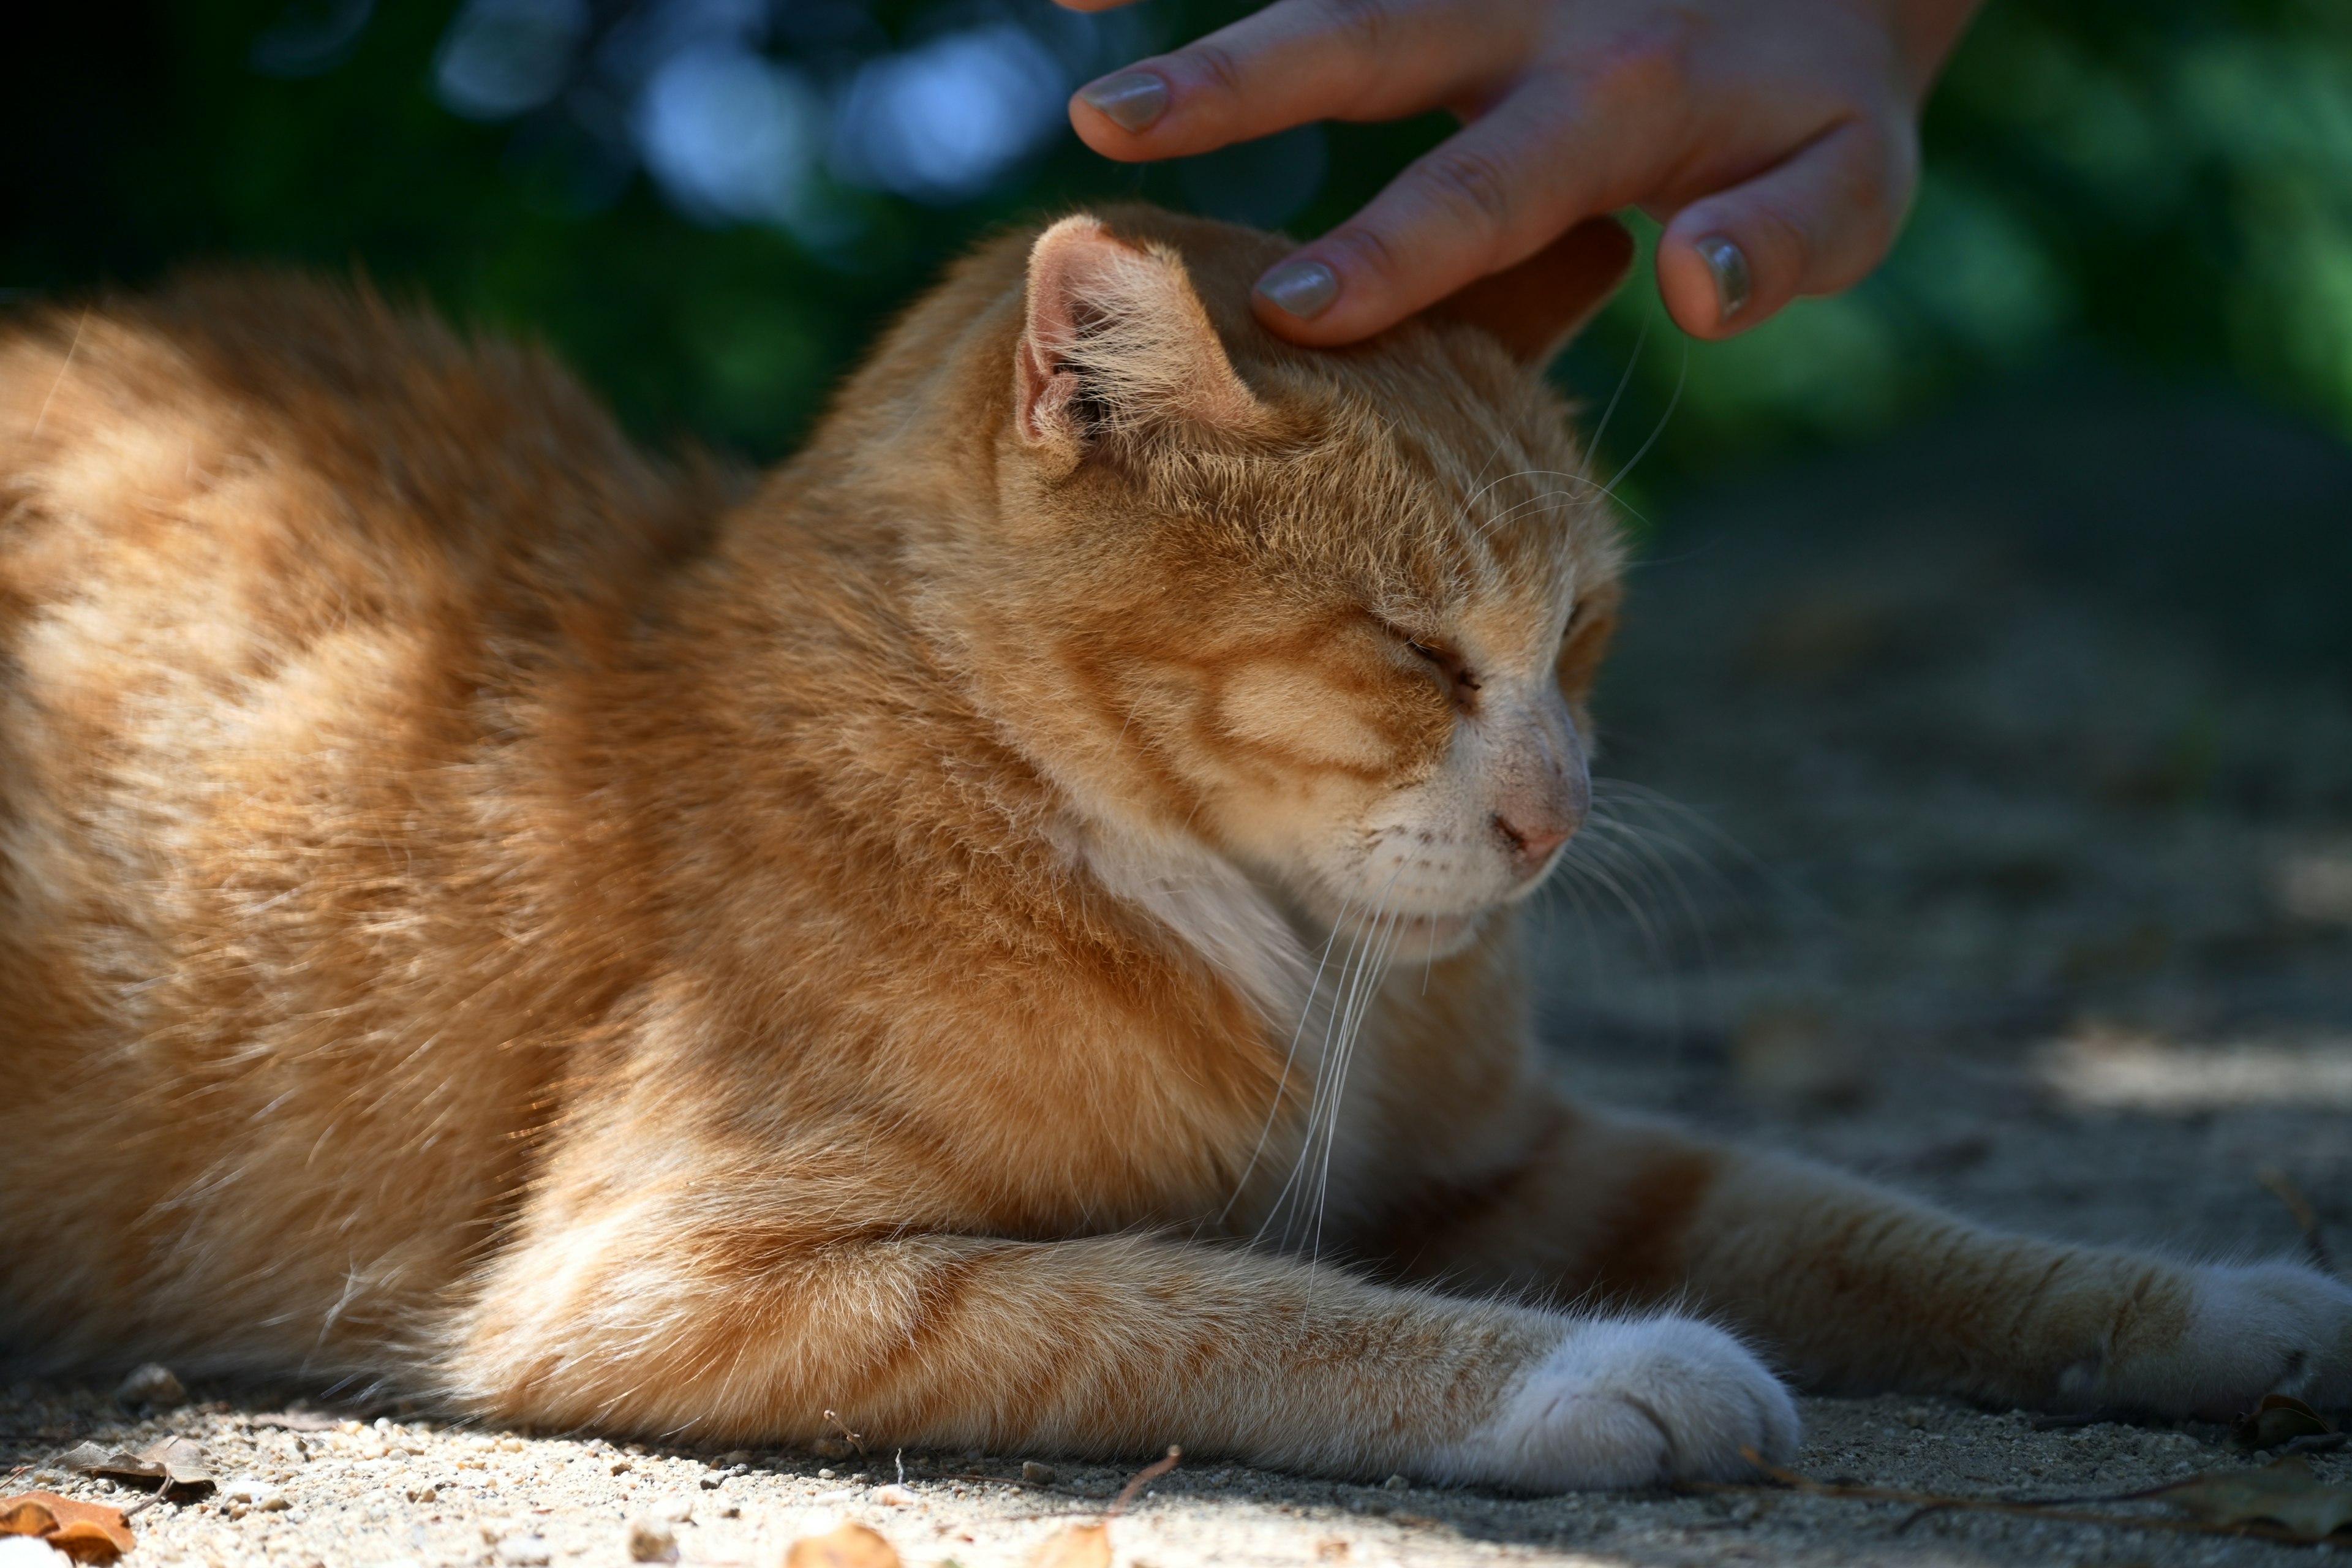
[(1295, 62), (1534, 308), (1491, 195), (1815, 224)]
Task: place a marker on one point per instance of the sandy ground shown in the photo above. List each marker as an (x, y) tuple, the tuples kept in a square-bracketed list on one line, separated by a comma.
[(1981, 820)]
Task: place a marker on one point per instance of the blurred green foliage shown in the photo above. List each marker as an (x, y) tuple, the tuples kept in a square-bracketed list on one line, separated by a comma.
[(2163, 182)]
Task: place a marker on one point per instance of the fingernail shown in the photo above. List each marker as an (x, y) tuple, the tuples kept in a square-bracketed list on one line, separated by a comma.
[(1132, 99), (1728, 263), (1303, 289)]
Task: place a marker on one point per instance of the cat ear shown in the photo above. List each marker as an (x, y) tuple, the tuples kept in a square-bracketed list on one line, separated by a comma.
[(1536, 307), (1116, 338)]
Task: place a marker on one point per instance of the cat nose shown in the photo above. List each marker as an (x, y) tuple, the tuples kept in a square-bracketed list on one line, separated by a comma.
[(1534, 838)]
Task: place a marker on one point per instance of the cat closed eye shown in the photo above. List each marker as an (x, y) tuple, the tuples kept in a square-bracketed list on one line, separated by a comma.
[(1449, 664)]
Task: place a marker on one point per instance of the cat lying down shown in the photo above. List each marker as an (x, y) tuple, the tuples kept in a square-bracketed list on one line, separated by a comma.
[(1002, 930)]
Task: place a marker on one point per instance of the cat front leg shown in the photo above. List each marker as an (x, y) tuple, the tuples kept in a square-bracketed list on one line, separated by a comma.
[(1108, 1346), (1854, 1289)]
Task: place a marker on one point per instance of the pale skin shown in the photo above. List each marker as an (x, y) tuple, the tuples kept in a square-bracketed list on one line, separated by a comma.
[(1775, 140)]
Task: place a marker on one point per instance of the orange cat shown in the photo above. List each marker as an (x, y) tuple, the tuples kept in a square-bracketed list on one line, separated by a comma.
[(608, 949)]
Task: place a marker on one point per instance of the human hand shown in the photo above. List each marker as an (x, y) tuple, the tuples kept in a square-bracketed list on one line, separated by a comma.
[(1776, 139)]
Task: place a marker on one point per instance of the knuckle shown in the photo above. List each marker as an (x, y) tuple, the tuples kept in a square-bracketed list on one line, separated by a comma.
[(1371, 254), (1639, 66), (1363, 26), (1221, 68), (1470, 185), (1784, 242)]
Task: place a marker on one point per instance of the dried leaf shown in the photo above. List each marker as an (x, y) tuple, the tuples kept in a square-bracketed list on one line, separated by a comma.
[(851, 1546), (28, 1513), (174, 1464), (1075, 1546), (85, 1531), (182, 1461), (2280, 1419), (2285, 1493)]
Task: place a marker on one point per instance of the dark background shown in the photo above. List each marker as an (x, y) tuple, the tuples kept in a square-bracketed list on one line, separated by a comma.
[(708, 206)]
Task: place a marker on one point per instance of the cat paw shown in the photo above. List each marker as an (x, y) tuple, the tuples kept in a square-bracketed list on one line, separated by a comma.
[(2232, 1335), (1630, 1402)]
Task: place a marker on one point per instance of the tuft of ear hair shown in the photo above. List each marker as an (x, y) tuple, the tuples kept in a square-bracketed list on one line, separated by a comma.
[(1114, 339), (1534, 308)]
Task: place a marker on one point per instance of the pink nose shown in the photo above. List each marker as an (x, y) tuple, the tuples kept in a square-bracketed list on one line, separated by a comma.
[(1533, 842)]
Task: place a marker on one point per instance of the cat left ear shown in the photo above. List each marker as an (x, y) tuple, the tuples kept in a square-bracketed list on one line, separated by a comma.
[(1115, 337), (1536, 307)]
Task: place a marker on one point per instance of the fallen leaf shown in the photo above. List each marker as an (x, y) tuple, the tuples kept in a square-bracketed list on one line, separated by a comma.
[(1075, 1546), (28, 1513), (851, 1546), (183, 1461), (2280, 1419), (2285, 1493), (85, 1531), (173, 1464)]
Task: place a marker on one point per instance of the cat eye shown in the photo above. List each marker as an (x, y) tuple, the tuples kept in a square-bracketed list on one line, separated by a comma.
[(1450, 666)]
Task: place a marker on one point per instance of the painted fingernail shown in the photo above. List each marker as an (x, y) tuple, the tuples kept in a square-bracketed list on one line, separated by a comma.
[(1132, 99), (1301, 289), (1728, 263)]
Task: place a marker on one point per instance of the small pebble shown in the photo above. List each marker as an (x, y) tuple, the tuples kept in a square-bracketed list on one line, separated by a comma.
[(30, 1552), (622, 1467), (523, 1551), (894, 1496), (826, 1476), (736, 1456), (1397, 1484), (252, 1491), (153, 1384), (650, 1540), (1041, 1475), (675, 1509)]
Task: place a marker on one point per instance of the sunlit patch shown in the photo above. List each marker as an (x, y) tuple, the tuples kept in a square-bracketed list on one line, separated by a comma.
[(2314, 883), (2102, 1068)]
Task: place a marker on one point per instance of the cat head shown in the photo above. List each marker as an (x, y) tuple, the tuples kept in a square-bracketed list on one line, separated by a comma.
[(1330, 613)]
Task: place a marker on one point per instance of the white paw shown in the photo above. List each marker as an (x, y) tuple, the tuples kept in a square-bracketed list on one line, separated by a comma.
[(2239, 1331), (1629, 1401)]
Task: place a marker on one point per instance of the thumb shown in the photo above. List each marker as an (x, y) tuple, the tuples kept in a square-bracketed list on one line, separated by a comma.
[(1815, 224)]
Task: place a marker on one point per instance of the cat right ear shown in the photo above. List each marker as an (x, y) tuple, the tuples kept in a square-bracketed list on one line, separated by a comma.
[(1114, 339)]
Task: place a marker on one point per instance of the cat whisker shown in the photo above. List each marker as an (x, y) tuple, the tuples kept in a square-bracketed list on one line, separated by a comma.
[(1282, 1083), (1592, 444), (1383, 946), (1345, 1016), (1682, 378)]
